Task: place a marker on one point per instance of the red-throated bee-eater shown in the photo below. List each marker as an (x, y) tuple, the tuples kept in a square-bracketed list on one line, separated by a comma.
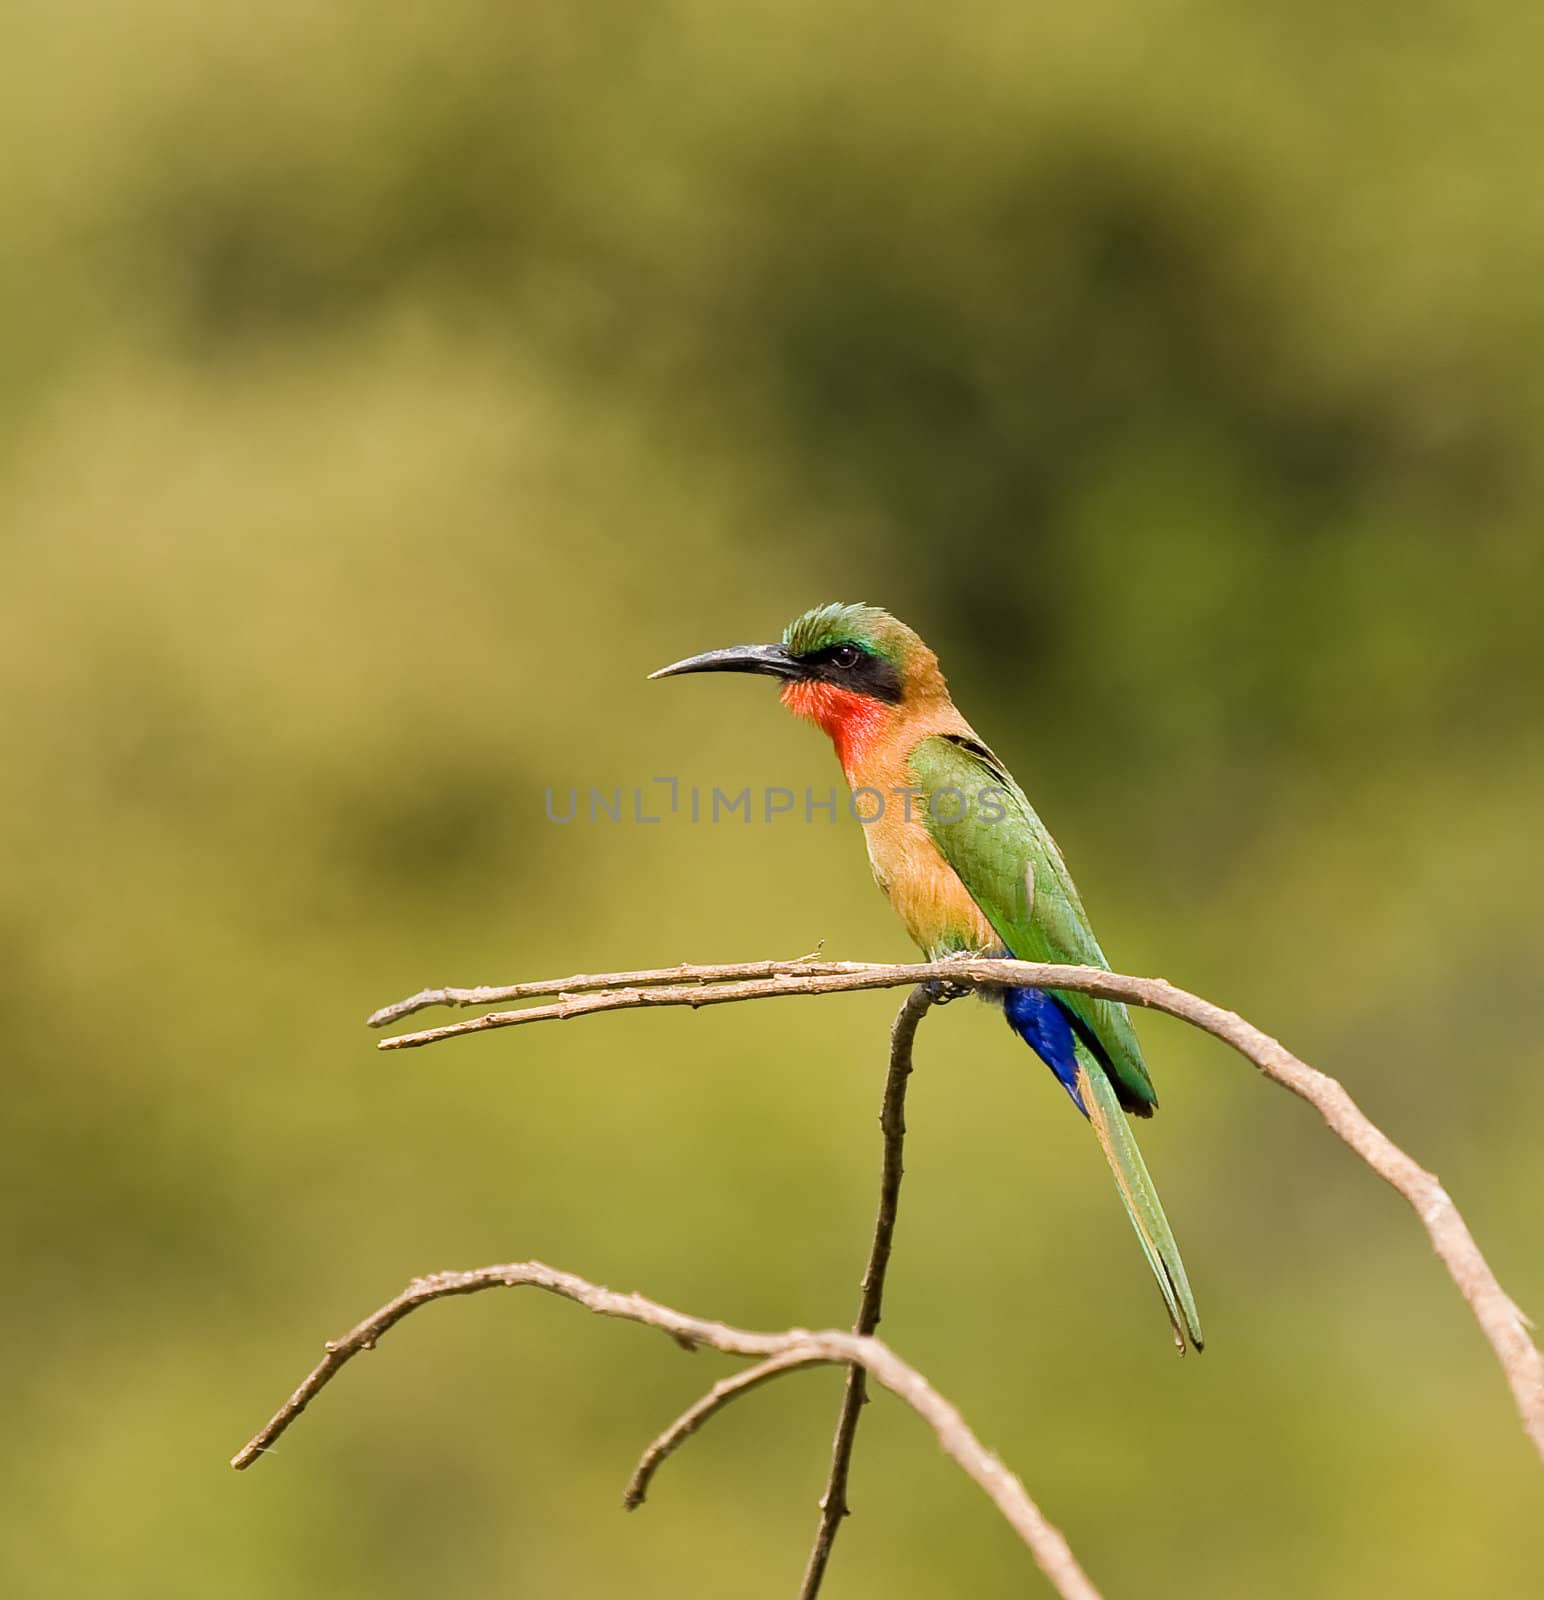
[(969, 868)]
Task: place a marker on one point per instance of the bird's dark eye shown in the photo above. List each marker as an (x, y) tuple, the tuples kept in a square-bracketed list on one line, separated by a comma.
[(846, 655)]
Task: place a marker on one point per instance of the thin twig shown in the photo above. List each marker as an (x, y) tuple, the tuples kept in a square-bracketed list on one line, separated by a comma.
[(581, 982), (655, 993), (1503, 1324), (719, 1396), (892, 1122), (832, 1347)]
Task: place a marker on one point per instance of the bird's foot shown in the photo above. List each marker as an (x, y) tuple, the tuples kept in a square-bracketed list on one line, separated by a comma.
[(942, 990)]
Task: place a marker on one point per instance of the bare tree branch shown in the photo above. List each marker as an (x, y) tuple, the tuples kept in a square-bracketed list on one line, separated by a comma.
[(593, 997), (1503, 1324), (892, 1122), (580, 982), (796, 1348), (719, 1396)]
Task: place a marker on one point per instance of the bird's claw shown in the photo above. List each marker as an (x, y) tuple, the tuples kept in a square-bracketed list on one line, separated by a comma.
[(942, 990)]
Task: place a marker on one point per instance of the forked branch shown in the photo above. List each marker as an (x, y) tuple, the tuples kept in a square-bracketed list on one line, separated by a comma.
[(1503, 1324), (776, 1353)]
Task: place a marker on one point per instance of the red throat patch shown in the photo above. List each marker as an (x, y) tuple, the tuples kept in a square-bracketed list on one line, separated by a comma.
[(852, 720)]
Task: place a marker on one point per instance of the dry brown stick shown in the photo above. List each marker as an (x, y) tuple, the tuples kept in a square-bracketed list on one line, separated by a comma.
[(801, 1348), (1503, 1324), (694, 994), (581, 982), (892, 1122), (719, 1396)]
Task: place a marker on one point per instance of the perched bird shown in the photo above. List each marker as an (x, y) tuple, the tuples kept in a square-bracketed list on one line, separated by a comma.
[(970, 869)]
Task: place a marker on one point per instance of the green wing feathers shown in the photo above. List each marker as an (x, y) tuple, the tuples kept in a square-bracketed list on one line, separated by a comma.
[(1012, 869), (1015, 873)]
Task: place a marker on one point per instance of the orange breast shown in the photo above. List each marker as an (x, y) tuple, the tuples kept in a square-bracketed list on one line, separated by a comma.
[(926, 893)]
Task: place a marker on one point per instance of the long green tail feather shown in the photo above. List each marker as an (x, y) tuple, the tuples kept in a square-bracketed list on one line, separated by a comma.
[(1141, 1201)]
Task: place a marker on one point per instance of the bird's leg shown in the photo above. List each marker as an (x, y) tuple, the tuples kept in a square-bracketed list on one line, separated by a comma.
[(942, 990)]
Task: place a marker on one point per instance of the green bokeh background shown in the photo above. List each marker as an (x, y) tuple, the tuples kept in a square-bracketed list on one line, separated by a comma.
[(383, 392)]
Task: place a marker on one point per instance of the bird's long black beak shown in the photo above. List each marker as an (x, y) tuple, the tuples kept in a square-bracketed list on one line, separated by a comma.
[(771, 659)]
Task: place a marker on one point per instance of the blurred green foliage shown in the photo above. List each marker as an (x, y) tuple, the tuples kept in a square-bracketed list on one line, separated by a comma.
[(385, 391)]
